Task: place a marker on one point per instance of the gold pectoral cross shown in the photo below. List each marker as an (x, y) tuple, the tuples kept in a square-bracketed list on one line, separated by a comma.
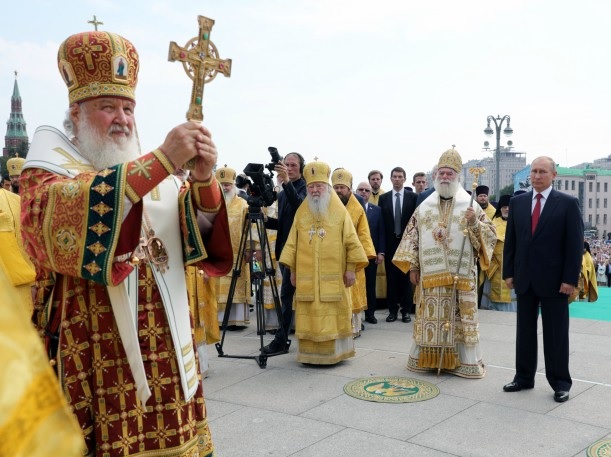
[(201, 62), (312, 232)]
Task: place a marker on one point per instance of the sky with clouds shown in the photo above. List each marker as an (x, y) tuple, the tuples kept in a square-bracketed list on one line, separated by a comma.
[(358, 84)]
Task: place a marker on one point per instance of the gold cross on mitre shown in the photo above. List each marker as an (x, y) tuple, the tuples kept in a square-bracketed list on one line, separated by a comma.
[(95, 23), (201, 62)]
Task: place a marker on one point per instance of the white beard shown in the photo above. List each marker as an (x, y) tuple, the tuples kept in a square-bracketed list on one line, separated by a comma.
[(319, 205), (102, 150), (447, 190), (230, 194)]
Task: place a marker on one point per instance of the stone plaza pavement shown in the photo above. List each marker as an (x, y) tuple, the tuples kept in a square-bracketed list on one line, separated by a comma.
[(291, 409)]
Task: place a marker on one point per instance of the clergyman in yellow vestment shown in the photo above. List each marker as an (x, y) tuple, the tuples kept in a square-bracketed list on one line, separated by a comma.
[(341, 179), (323, 253)]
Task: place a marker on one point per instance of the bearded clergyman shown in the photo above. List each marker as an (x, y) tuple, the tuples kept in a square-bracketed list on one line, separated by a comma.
[(111, 232), (237, 210), (323, 253), (440, 248)]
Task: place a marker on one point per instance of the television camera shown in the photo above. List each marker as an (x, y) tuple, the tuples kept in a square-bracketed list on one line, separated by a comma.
[(262, 191), (261, 268)]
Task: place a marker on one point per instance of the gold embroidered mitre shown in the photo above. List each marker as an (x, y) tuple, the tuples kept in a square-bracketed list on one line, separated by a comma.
[(450, 159), (341, 176), (98, 64), (226, 175), (316, 172), (15, 165)]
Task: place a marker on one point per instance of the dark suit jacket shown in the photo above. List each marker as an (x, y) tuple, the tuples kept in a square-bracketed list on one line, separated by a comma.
[(552, 255), (387, 202), (423, 195), (360, 199), (376, 227)]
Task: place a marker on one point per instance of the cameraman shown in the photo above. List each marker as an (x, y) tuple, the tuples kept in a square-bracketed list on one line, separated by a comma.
[(243, 184), (289, 176)]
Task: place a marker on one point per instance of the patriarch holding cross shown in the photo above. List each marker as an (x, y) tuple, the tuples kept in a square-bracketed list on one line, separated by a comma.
[(111, 232)]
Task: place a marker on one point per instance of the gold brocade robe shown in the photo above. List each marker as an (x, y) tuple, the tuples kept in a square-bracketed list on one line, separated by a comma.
[(375, 198), (14, 261), (439, 303), (320, 251), (34, 418), (499, 292), (358, 292), (587, 287), (271, 317), (76, 226), (381, 281), (381, 270), (490, 211), (203, 306), (237, 209)]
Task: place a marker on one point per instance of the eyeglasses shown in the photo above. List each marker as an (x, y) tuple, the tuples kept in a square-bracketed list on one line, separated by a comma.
[(360, 189)]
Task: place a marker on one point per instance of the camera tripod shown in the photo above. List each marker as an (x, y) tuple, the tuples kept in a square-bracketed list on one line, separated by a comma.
[(259, 269)]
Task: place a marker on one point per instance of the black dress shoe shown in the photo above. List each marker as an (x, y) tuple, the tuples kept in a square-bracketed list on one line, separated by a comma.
[(406, 318), (561, 396), (274, 347), (515, 387), (371, 319), (391, 317)]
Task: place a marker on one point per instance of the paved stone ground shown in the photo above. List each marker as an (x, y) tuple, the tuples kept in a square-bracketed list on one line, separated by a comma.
[(291, 409)]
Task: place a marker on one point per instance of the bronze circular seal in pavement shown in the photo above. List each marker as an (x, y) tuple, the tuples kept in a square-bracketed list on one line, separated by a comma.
[(601, 448), (391, 389)]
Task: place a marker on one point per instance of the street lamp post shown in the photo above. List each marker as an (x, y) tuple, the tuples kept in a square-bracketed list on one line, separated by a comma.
[(498, 123)]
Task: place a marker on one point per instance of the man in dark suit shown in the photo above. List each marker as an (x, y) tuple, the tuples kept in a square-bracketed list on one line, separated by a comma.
[(398, 287), (542, 262), (429, 190), (378, 236)]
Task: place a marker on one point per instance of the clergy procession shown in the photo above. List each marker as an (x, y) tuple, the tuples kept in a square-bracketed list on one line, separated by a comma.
[(122, 268)]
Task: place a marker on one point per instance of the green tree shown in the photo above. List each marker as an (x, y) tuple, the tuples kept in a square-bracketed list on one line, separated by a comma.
[(507, 190)]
